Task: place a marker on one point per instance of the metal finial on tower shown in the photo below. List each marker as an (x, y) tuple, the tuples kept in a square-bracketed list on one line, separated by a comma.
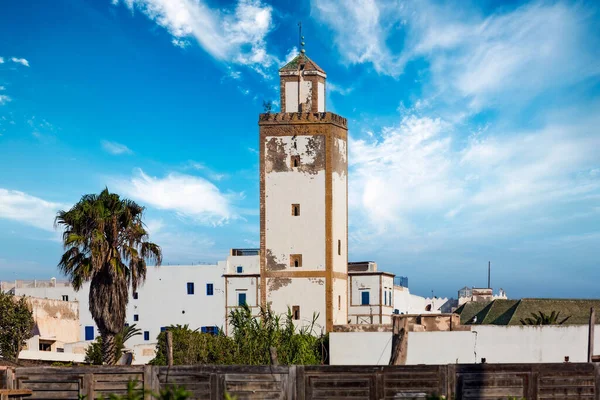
[(301, 42)]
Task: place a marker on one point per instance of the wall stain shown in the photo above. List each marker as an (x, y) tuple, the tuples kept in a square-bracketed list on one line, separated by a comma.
[(276, 157), (318, 281), (340, 163), (277, 283), (272, 264)]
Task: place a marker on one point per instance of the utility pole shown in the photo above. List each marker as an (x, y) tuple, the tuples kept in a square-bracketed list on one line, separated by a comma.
[(489, 271)]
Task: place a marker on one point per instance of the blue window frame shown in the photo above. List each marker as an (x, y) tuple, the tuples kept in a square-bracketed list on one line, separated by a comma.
[(163, 328), (239, 269), (89, 333), (135, 295), (209, 289), (241, 299), (136, 317), (146, 335), (364, 298), (190, 287), (212, 330)]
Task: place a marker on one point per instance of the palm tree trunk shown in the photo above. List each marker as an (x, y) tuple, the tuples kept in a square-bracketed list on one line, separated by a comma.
[(109, 349)]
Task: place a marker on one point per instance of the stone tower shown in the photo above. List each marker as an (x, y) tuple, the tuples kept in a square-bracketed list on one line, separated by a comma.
[(304, 202)]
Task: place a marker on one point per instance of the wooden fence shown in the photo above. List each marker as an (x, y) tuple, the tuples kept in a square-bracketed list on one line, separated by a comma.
[(480, 381)]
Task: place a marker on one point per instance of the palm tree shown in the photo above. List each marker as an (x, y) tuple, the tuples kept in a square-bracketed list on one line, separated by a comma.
[(544, 319), (107, 245)]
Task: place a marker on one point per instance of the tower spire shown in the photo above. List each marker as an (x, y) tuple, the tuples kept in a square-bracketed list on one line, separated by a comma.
[(301, 38)]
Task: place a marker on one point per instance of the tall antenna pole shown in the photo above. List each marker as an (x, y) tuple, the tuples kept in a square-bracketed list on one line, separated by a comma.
[(489, 271)]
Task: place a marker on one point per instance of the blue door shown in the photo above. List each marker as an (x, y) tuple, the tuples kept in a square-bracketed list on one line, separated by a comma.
[(364, 298), (241, 299)]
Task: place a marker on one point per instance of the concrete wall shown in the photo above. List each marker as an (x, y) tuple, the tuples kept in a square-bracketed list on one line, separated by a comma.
[(55, 319), (497, 344)]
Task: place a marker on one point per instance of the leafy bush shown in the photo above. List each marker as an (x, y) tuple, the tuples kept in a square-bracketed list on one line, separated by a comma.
[(16, 325), (251, 340), (93, 353)]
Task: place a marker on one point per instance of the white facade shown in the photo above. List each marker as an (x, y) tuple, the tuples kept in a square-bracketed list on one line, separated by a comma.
[(495, 344)]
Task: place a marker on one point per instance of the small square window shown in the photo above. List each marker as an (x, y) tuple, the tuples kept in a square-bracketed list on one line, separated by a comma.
[(136, 317), (146, 335), (190, 288), (209, 289), (241, 299), (295, 260), (135, 295), (239, 269), (295, 210), (296, 312), (295, 161), (65, 297)]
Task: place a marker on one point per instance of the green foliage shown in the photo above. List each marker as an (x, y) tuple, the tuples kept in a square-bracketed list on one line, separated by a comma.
[(106, 243), (93, 353), (251, 339), (544, 319), (16, 324), (267, 107)]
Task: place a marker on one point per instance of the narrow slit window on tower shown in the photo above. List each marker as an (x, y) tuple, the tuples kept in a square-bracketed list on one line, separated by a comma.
[(295, 210), (295, 260), (339, 303), (296, 312), (339, 247), (295, 161)]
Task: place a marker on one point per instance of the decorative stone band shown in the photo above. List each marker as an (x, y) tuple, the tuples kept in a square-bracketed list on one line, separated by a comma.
[(316, 117), (304, 73)]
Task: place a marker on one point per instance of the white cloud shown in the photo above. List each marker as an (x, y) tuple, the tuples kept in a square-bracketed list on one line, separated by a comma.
[(332, 87), (27, 209), (236, 35), (1, 60), (504, 57), (190, 196), (115, 148), (4, 99), (21, 61), (414, 176), (180, 43)]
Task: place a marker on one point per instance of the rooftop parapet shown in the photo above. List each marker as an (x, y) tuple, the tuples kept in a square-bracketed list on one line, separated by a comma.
[(307, 118)]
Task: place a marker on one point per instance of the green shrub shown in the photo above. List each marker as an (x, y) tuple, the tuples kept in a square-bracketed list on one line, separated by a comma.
[(249, 344)]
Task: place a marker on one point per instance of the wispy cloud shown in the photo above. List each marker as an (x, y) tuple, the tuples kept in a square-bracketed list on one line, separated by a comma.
[(189, 196), (21, 61), (233, 35), (4, 99), (520, 52), (115, 148), (422, 171), (1, 60), (27, 209)]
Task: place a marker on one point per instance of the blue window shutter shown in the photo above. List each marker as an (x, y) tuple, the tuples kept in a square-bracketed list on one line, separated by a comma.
[(146, 335), (163, 328), (209, 289), (203, 329), (241, 299), (240, 269), (190, 288), (89, 333), (365, 298)]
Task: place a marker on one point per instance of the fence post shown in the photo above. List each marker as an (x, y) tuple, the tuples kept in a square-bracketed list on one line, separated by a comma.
[(88, 385), (399, 340), (151, 383), (591, 334), (169, 348), (291, 383)]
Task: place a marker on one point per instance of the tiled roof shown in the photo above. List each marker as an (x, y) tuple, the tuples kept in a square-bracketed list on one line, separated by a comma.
[(309, 65)]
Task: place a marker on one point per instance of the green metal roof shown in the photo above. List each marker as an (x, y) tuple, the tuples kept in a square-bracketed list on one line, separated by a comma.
[(510, 312)]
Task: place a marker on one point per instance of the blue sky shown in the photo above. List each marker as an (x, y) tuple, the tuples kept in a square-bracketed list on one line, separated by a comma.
[(474, 129)]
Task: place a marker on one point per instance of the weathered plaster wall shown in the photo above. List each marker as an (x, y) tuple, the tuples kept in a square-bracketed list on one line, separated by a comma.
[(249, 264), (308, 293), (304, 185), (55, 319), (340, 301)]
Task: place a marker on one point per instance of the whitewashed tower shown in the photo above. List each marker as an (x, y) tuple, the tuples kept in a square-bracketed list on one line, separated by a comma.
[(303, 201)]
